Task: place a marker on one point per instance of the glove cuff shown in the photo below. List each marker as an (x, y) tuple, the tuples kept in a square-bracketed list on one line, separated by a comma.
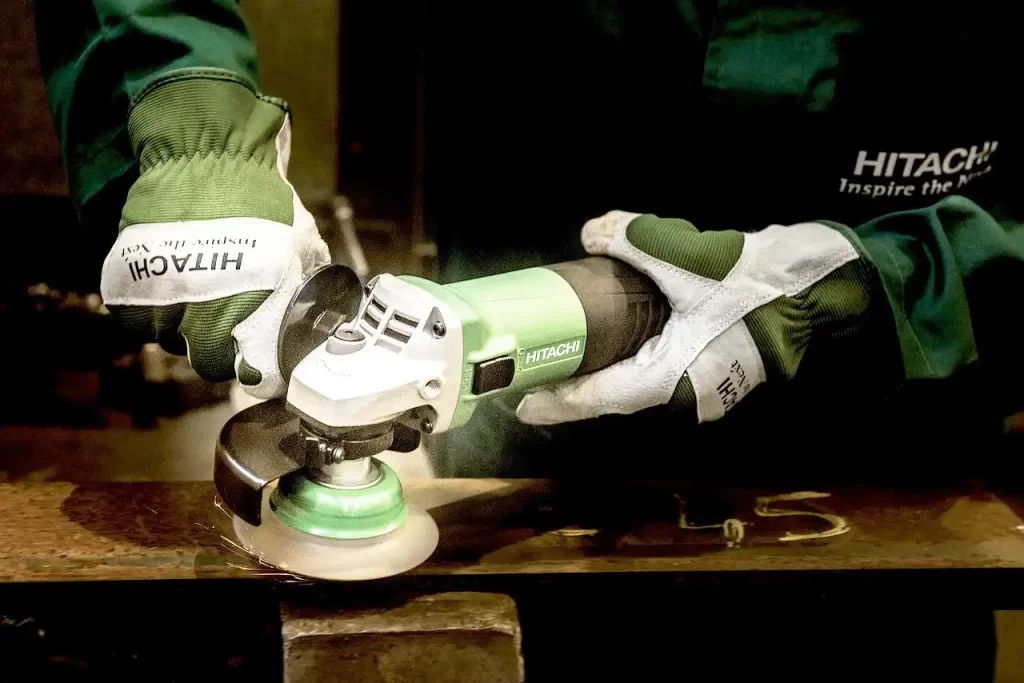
[(834, 307), (208, 146)]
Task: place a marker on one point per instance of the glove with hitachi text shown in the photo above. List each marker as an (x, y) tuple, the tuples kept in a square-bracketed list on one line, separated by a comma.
[(213, 239)]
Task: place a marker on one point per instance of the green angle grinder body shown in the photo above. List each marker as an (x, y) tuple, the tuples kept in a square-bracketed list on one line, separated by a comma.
[(369, 366)]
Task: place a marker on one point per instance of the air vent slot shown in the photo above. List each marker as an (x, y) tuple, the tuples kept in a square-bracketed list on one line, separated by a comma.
[(400, 327), (378, 305), (370, 320), (390, 331), (405, 320)]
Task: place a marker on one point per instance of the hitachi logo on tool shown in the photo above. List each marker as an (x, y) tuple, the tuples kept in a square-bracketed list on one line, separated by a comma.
[(545, 354), (155, 266)]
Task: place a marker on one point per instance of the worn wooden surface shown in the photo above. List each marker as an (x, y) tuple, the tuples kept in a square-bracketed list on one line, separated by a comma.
[(458, 637), (117, 531)]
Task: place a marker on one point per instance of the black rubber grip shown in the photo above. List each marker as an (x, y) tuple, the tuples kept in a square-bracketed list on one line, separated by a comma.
[(624, 308)]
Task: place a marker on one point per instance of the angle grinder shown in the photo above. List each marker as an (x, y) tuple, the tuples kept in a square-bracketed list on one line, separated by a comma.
[(372, 368)]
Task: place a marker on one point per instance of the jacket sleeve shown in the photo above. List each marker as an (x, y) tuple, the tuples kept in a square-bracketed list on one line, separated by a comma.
[(953, 275), (97, 55)]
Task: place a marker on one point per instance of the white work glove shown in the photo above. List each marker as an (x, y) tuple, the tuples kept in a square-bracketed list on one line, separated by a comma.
[(213, 240), (745, 307)]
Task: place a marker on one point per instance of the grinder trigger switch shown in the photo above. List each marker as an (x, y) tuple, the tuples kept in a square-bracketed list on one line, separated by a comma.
[(493, 374)]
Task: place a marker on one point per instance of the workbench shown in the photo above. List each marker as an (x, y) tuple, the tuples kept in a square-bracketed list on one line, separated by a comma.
[(533, 540), (491, 527)]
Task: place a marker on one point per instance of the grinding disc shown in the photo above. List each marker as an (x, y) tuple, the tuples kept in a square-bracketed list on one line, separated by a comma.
[(297, 552)]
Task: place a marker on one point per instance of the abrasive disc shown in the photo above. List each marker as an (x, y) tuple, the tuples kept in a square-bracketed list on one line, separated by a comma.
[(297, 552)]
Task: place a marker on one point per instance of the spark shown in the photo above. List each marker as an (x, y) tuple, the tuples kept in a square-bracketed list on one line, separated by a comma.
[(236, 549), (262, 570), (219, 504)]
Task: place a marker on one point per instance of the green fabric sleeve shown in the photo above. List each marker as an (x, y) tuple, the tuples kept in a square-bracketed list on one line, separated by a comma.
[(98, 55), (953, 276)]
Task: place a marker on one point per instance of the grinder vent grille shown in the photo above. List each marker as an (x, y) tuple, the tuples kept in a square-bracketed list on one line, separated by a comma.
[(398, 331), (395, 330)]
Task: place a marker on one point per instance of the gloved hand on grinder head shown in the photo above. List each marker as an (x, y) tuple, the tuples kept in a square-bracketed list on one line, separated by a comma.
[(745, 308), (213, 240)]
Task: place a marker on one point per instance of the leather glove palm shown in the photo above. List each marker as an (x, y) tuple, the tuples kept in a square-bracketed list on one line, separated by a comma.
[(745, 308), (213, 240)]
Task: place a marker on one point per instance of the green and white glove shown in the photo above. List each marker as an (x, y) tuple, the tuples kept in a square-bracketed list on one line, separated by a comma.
[(213, 240), (745, 308)]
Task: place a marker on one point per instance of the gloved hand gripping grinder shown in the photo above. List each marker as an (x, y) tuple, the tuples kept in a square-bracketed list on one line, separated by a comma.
[(371, 368)]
